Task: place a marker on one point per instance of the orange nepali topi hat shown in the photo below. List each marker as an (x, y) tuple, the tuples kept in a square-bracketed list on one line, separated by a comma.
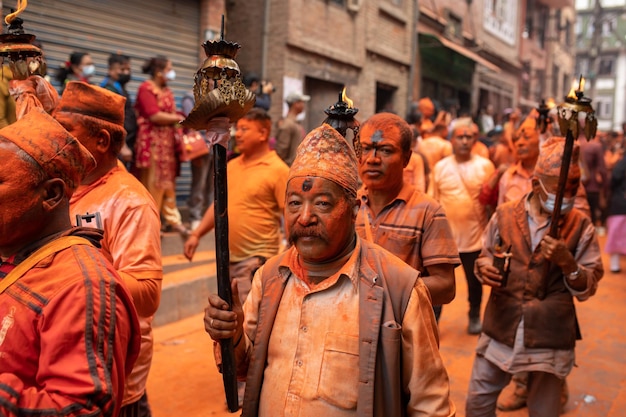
[(551, 159), (57, 152), (92, 101), (324, 153)]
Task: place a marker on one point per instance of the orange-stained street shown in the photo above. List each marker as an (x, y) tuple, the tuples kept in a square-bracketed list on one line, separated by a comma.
[(184, 379)]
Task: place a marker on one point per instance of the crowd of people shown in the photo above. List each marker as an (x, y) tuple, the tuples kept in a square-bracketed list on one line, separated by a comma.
[(340, 258)]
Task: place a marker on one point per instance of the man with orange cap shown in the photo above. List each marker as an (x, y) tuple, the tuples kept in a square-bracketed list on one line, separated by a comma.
[(530, 322), (335, 325), (68, 329), (129, 216)]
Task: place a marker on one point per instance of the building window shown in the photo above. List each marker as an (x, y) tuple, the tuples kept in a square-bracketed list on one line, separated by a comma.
[(606, 66), (555, 81), (454, 29), (605, 107), (500, 19), (609, 24)]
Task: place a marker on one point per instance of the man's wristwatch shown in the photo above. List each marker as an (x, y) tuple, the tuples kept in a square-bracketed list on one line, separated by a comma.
[(574, 275)]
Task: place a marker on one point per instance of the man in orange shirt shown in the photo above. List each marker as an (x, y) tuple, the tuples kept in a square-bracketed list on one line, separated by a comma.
[(62, 352), (256, 197), (128, 214)]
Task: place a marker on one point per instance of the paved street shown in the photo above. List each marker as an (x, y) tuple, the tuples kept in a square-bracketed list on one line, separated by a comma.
[(184, 380)]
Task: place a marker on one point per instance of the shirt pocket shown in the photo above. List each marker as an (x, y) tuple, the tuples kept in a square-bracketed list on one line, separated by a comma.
[(339, 374), (400, 244)]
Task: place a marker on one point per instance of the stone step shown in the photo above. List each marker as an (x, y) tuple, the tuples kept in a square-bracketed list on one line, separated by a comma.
[(186, 285)]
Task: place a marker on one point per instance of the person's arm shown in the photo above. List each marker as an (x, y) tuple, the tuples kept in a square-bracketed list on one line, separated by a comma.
[(441, 283), (82, 354), (424, 377), (283, 141), (136, 251), (581, 271), (148, 107), (439, 254), (206, 225)]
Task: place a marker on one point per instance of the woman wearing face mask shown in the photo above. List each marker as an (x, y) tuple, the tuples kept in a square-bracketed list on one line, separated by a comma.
[(155, 148), (80, 67)]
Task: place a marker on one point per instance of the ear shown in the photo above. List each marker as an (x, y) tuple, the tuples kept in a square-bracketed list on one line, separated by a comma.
[(103, 144), (535, 186), (54, 193), (355, 208), (406, 157)]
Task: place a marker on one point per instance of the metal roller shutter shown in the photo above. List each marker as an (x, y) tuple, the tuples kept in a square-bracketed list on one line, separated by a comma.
[(138, 28)]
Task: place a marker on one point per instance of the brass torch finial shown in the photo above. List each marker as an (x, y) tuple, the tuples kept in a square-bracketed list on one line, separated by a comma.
[(575, 102), (218, 89), (17, 49)]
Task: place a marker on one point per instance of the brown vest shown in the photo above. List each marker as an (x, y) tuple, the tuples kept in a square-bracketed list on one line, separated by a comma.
[(384, 291), (547, 308)]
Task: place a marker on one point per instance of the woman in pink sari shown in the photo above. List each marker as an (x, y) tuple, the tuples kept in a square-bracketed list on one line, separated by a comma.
[(157, 124)]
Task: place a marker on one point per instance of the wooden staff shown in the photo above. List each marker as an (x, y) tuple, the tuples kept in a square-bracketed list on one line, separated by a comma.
[(222, 258)]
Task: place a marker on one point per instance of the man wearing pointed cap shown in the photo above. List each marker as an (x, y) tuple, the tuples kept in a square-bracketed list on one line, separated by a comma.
[(335, 325), (516, 180), (530, 323), (127, 212), (290, 131), (61, 349)]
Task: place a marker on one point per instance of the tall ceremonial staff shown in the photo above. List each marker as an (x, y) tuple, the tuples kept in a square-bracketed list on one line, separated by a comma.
[(221, 99), (569, 125)]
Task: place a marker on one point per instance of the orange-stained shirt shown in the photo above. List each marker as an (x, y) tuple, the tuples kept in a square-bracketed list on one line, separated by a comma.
[(434, 149), (413, 227), (480, 149), (62, 352), (132, 243), (256, 199), (457, 186), (414, 173)]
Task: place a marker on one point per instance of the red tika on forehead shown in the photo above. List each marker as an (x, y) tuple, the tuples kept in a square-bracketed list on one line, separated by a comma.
[(324, 153), (58, 153)]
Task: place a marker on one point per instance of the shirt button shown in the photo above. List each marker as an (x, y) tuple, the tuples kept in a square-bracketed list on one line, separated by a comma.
[(299, 363), (305, 329)]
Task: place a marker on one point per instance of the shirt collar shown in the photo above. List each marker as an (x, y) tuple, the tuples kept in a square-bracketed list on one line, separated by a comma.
[(404, 195), (350, 269)]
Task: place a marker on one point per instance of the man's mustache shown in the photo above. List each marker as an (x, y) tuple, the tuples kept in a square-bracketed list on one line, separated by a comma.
[(297, 233)]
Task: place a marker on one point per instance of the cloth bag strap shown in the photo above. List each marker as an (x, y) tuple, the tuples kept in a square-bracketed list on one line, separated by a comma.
[(46, 250)]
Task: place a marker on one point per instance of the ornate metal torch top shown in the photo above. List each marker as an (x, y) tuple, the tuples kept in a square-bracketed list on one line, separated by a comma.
[(575, 103), (16, 48), (341, 118), (218, 89), (544, 119)]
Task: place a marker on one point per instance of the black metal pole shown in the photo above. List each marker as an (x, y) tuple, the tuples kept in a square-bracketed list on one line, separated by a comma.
[(229, 369), (558, 200)]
